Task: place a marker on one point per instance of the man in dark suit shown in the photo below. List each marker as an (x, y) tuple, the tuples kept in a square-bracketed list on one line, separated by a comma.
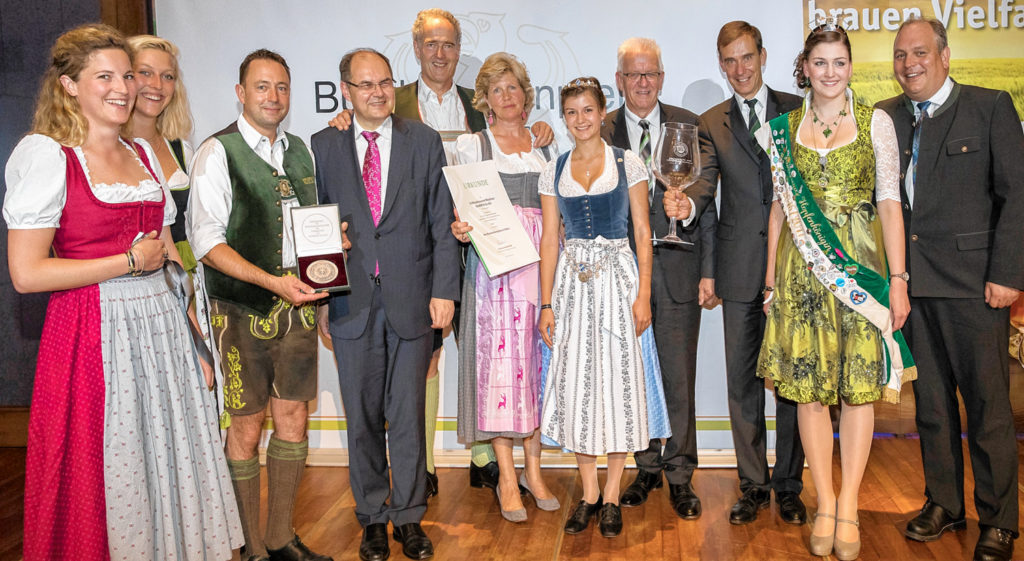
[(963, 191), (385, 174), (678, 270), (437, 101), (733, 135)]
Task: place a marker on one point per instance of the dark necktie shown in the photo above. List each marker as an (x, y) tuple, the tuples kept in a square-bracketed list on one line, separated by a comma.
[(923, 108), (753, 123), (645, 155)]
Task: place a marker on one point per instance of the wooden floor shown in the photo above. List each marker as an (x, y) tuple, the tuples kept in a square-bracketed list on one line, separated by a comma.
[(465, 524)]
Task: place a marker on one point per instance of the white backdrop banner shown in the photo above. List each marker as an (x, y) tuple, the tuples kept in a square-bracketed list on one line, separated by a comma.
[(556, 40)]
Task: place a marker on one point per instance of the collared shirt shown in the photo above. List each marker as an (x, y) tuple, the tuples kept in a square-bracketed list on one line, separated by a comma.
[(634, 131), (761, 109), (210, 199), (445, 114), (936, 100), (383, 145)]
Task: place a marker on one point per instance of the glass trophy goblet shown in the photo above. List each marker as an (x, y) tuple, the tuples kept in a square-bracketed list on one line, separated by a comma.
[(676, 164)]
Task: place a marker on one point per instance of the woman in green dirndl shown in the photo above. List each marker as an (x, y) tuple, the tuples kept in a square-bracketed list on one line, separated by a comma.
[(835, 243)]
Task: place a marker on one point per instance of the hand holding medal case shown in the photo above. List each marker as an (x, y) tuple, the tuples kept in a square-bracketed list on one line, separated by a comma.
[(318, 249)]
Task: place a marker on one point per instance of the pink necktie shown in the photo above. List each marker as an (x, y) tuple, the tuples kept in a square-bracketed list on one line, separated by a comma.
[(371, 180), (371, 174)]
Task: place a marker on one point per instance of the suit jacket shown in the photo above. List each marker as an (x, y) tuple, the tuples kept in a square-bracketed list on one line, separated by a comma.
[(418, 256), (728, 153), (965, 225), (407, 105), (683, 267)]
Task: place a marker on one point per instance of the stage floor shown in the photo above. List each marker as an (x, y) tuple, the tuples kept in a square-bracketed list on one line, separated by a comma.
[(465, 523)]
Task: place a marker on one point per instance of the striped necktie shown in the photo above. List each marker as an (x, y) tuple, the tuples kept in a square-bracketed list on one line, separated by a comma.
[(645, 155), (753, 123), (923, 109)]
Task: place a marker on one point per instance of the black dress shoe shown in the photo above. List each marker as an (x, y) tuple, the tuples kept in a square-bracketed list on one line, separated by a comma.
[(745, 509), (431, 484), (580, 518), (295, 550), (636, 493), (486, 476), (610, 520), (791, 508), (931, 522), (415, 543), (684, 501), (374, 546), (994, 544)]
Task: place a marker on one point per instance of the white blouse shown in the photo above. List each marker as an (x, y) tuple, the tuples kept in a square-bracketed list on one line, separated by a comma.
[(887, 154), (468, 151), (179, 179), (636, 172), (37, 190)]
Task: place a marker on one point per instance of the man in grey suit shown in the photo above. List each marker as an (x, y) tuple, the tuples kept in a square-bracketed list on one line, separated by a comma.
[(963, 192), (733, 135), (385, 174), (675, 302)]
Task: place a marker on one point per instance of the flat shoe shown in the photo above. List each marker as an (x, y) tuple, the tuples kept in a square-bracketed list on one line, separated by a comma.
[(581, 515)]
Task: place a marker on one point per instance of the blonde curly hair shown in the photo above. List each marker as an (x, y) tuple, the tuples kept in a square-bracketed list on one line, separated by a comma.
[(58, 113)]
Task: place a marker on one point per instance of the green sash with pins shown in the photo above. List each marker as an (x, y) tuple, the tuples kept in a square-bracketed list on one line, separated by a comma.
[(861, 289)]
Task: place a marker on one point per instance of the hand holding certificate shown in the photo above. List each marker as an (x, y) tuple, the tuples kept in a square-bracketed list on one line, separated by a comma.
[(318, 247), (499, 238)]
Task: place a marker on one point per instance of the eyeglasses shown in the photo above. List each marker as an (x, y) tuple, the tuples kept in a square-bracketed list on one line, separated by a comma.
[(369, 87), (433, 46), (636, 76)]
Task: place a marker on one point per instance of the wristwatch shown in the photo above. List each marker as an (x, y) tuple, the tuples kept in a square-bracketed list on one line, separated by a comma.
[(904, 275)]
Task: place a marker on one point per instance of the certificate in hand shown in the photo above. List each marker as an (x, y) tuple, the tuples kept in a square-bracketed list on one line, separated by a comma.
[(318, 249), (499, 238)]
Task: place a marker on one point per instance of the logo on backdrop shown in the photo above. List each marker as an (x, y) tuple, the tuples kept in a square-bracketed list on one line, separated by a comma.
[(552, 58)]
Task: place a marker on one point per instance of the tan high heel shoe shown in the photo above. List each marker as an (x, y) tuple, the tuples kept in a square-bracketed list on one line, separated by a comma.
[(821, 546), (847, 551)]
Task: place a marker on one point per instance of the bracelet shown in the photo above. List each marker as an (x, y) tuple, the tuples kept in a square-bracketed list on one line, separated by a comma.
[(131, 263), (771, 296), (545, 306), (141, 268), (769, 289)]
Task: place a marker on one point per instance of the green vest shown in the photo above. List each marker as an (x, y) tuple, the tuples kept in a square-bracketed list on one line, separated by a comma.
[(407, 105), (256, 226)]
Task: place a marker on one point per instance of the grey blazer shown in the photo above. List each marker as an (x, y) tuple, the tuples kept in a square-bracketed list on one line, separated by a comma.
[(418, 256), (684, 267), (729, 154), (965, 225)]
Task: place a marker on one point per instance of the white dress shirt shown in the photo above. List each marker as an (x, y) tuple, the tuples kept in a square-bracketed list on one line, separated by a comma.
[(761, 110), (936, 100), (445, 114), (210, 199)]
